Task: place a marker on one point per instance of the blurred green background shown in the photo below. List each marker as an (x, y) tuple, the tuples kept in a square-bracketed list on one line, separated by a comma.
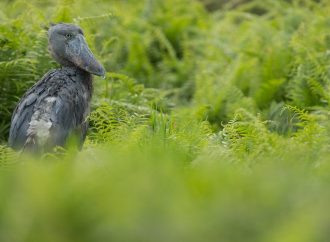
[(212, 123)]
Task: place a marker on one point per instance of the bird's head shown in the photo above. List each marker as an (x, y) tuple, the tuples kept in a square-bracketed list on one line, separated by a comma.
[(68, 47)]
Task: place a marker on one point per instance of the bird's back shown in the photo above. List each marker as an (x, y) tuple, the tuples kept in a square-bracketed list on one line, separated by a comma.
[(52, 110)]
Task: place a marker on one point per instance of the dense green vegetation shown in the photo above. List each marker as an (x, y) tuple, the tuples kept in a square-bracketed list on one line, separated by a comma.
[(209, 126)]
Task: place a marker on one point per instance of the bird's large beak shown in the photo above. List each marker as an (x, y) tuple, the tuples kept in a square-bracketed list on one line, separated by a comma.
[(81, 56)]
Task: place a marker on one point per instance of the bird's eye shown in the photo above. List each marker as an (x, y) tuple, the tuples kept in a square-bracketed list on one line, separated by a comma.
[(68, 36)]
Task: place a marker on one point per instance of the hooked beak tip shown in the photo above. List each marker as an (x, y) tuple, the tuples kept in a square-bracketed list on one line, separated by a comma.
[(98, 72), (101, 72)]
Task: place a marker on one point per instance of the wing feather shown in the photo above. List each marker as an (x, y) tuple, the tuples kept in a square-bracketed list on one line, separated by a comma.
[(48, 114)]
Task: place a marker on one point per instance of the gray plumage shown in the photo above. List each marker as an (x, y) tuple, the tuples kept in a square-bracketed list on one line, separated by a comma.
[(56, 107)]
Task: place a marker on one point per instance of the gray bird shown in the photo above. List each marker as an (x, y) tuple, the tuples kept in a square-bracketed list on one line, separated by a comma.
[(55, 108)]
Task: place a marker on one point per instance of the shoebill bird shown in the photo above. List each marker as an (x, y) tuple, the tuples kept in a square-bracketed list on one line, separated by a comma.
[(56, 107)]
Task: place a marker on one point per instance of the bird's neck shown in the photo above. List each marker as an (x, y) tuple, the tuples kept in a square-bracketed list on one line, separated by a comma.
[(83, 76), (74, 70)]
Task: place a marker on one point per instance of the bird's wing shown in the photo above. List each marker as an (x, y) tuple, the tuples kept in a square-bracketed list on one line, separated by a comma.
[(23, 112), (20, 121), (47, 115)]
